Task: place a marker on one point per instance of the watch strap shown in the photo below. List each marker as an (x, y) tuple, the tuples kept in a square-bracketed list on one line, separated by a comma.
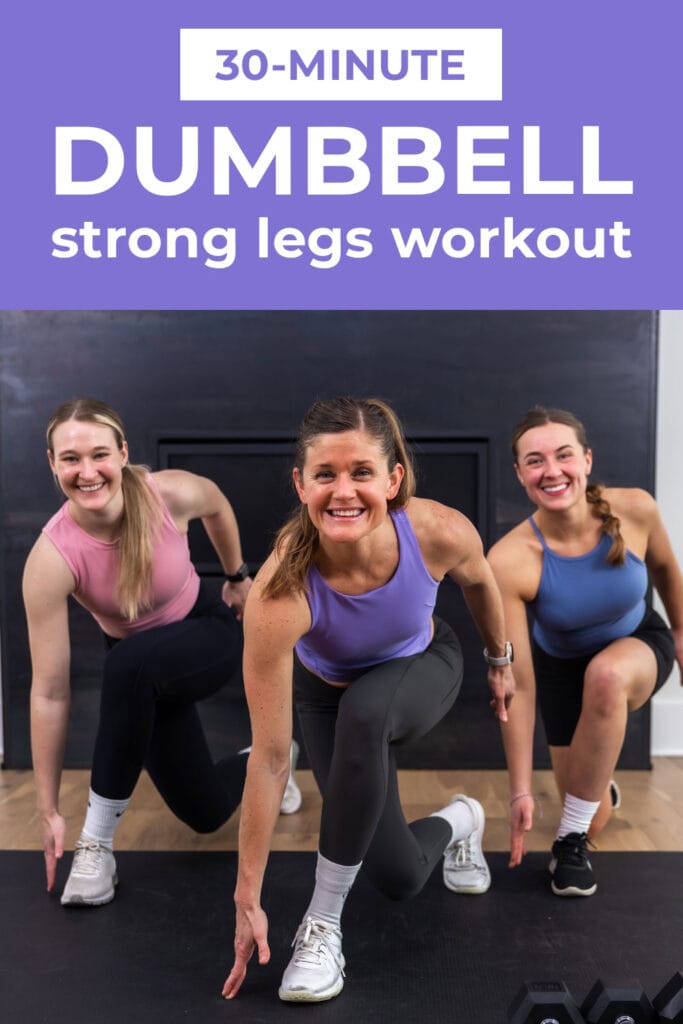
[(240, 575), (505, 659)]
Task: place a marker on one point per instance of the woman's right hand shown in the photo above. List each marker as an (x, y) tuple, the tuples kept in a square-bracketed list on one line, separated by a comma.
[(521, 820), (251, 931), (54, 834)]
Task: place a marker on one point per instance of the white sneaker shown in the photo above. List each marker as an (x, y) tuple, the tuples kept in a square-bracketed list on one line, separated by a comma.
[(464, 867), (92, 879), (291, 799), (316, 970)]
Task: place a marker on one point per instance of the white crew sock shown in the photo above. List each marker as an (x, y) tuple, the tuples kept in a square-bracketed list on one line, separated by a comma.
[(332, 885), (459, 817), (577, 815), (102, 817)]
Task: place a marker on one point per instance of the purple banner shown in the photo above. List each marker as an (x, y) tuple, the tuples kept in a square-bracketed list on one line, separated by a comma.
[(377, 171)]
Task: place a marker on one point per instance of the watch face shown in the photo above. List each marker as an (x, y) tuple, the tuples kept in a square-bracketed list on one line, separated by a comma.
[(505, 659)]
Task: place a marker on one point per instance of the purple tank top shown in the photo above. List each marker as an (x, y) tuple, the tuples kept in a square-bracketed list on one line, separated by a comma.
[(351, 633)]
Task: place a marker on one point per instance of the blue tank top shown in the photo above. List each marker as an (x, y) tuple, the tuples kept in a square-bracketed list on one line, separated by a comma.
[(351, 633), (584, 603)]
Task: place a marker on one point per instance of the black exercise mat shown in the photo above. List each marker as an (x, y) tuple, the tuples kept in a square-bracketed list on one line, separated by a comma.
[(160, 952)]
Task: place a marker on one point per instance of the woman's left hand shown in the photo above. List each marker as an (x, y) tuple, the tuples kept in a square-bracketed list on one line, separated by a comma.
[(521, 820), (502, 684), (235, 595), (251, 932)]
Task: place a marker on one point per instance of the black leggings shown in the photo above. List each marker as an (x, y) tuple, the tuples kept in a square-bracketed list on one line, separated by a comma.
[(148, 717), (350, 735)]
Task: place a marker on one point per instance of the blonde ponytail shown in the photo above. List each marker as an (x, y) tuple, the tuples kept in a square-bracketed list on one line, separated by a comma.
[(140, 524)]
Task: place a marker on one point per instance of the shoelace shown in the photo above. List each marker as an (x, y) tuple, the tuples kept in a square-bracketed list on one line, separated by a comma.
[(311, 944), (87, 857), (464, 856), (574, 850)]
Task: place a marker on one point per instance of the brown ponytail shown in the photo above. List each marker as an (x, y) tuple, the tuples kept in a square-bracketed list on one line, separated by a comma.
[(538, 416), (610, 524), (297, 541), (142, 513)]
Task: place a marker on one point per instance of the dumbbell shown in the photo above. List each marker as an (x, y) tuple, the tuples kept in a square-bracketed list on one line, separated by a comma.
[(618, 1004), (669, 1002), (544, 1002)]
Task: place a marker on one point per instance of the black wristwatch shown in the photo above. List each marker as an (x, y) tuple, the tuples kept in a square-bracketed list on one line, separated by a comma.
[(240, 575), (506, 659)]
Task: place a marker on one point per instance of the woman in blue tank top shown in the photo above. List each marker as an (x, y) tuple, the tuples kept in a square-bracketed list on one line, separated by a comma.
[(581, 564), (344, 609)]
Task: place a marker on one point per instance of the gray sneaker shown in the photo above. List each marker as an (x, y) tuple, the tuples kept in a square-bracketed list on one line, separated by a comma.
[(464, 866), (316, 970), (92, 879), (291, 798)]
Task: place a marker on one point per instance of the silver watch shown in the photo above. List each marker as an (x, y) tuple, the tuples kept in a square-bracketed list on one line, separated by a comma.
[(506, 659)]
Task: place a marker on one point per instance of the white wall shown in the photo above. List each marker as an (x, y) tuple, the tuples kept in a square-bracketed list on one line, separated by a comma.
[(667, 706)]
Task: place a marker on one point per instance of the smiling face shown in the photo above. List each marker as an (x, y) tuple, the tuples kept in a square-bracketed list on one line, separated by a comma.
[(552, 466), (346, 484), (88, 462)]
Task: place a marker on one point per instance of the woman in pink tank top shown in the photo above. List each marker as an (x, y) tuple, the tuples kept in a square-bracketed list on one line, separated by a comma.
[(118, 545)]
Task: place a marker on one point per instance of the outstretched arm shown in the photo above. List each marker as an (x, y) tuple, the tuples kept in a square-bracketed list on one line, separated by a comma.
[(666, 577), (189, 496), (46, 585), (453, 547), (271, 628), (518, 731)]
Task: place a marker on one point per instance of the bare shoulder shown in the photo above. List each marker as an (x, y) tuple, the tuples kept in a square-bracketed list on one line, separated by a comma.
[(279, 621), (633, 504), (188, 495), (178, 489), (436, 524), (46, 574), (517, 560)]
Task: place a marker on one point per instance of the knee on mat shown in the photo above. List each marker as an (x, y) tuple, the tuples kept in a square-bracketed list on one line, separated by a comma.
[(205, 827), (202, 824), (395, 885)]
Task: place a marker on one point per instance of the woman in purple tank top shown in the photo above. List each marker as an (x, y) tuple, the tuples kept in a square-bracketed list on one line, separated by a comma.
[(118, 545), (581, 565), (342, 615)]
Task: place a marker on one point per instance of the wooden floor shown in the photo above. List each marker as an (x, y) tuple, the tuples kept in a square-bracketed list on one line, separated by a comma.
[(650, 818)]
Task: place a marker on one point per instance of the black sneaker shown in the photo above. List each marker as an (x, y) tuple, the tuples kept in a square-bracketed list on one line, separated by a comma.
[(570, 867), (614, 795)]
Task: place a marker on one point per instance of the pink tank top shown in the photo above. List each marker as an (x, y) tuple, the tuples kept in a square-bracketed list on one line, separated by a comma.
[(95, 565)]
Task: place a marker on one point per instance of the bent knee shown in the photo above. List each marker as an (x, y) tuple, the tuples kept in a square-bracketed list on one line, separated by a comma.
[(605, 689), (205, 827), (403, 885)]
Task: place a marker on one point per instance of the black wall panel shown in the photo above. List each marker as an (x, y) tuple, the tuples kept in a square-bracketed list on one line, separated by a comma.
[(241, 379)]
